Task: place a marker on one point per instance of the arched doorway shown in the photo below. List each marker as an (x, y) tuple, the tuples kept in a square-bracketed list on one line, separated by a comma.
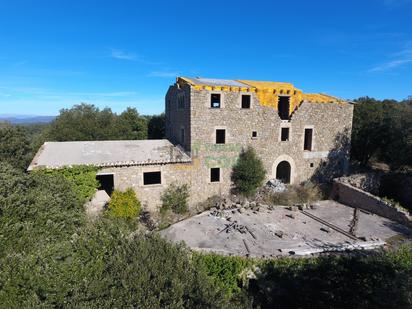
[(283, 171)]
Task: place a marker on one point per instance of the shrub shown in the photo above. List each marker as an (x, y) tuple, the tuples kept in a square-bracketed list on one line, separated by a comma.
[(175, 198), (124, 204), (248, 173), (225, 271)]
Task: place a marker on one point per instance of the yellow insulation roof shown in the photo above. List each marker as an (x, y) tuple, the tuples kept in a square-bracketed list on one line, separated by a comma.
[(267, 92)]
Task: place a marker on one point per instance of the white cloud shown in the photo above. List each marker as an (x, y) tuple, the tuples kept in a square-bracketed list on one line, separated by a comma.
[(119, 54), (399, 59)]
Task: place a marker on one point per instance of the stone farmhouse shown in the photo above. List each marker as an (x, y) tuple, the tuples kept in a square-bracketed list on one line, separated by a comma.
[(298, 136)]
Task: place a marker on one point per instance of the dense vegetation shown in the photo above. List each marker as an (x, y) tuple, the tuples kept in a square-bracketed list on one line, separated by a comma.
[(50, 256)]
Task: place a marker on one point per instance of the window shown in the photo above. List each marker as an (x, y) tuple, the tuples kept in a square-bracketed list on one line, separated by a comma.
[(152, 178), (312, 165), (220, 136), (106, 182), (182, 135), (215, 174), (307, 145), (284, 135), (215, 100), (254, 134), (181, 102), (283, 108), (245, 100)]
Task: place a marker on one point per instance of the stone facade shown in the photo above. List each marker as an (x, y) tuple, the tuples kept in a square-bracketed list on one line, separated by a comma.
[(331, 124), (191, 122)]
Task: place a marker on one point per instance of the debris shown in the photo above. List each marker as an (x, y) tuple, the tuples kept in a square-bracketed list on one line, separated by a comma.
[(290, 216), (250, 232), (276, 185), (234, 226), (279, 234), (247, 248), (353, 226), (325, 229)]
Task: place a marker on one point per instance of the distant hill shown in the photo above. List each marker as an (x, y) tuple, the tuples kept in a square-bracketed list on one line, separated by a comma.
[(26, 119)]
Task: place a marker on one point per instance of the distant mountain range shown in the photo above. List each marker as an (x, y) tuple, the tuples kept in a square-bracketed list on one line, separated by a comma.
[(26, 119)]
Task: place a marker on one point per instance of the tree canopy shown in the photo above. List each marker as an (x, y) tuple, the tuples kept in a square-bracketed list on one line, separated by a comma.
[(86, 122), (382, 130)]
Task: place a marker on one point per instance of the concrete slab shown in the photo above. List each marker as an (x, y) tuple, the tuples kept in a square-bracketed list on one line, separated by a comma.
[(281, 231)]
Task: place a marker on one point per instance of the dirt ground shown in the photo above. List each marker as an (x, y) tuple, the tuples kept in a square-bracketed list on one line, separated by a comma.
[(328, 227)]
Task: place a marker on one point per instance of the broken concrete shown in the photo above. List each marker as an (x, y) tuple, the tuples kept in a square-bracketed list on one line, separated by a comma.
[(273, 233)]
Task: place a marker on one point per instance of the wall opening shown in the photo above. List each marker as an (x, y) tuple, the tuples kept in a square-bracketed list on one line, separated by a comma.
[(307, 145), (215, 174), (106, 182), (283, 107), (245, 100), (215, 100), (152, 178), (220, 136), (254, 134), (284, 135), (283, 171)]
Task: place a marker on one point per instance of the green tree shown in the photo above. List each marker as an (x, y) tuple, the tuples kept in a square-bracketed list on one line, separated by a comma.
[(156, 126), (86, 122), (15, 146), (248, 173), (131, 125), (382, 130)]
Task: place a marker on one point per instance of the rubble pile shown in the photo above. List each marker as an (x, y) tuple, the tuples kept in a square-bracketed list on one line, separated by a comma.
[(276, 186)]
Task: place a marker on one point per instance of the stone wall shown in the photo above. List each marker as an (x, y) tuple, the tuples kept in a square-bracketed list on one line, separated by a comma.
[(150, 195), (345, 193)]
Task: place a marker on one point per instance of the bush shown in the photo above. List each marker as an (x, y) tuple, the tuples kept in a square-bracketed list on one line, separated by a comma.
[(175, 198), (124, 204), (248, 173)]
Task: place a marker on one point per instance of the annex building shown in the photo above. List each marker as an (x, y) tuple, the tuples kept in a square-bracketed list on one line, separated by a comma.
[(298, 136)]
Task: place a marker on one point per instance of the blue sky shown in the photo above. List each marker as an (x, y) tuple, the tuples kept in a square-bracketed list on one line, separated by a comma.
[(54, 54)]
